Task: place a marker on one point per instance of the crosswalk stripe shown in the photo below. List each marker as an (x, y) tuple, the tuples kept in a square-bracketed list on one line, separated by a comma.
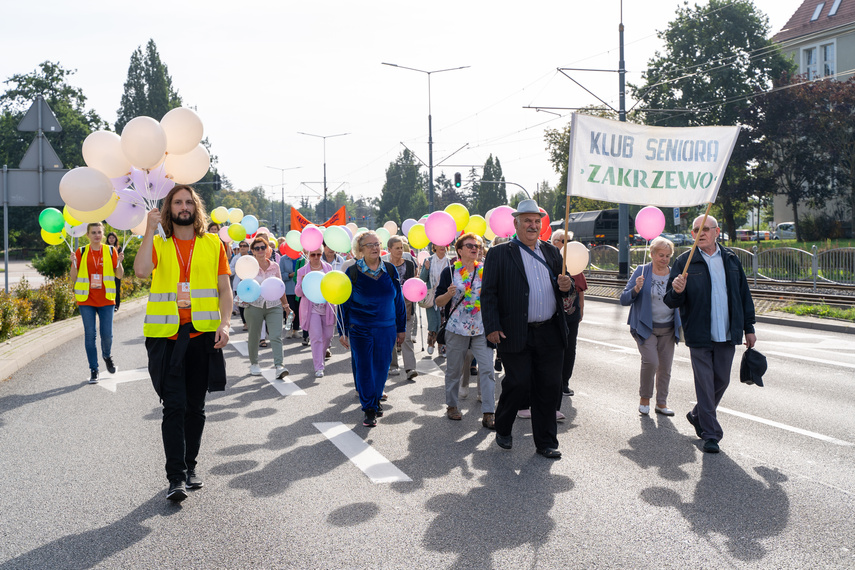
[(285, 386), (375, 466)]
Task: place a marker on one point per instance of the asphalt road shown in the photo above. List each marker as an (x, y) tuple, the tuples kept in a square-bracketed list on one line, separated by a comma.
[(83, 486)]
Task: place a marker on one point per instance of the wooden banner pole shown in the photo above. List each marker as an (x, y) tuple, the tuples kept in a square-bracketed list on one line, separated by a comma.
[(566, 235)]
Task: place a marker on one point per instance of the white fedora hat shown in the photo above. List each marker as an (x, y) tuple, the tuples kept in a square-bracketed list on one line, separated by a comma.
[(528, 207)]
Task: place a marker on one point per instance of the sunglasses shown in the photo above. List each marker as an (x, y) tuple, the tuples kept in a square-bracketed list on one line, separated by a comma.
[(259, 248), (472, 245), (314, 255), (371, 245)]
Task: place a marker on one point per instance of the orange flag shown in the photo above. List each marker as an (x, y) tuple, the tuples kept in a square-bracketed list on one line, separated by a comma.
[(298, 221)]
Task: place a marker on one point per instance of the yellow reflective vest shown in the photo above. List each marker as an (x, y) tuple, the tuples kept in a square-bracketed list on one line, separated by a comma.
[(161, 313), (81, 286)]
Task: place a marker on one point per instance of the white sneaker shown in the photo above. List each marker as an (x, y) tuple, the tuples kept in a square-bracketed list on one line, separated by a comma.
[(560, 417), (281, 372), (524, 414), (319, 374), (643, 410), (430, 350), (666, 411), (394, 371), (255, 370), (463, 393), (411, 374)]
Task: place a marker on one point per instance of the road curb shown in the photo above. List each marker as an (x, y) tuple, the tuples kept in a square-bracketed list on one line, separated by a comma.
[(775, 319), (17, 352)]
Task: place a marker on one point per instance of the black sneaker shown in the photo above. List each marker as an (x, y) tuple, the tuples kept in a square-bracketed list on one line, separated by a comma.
[(568, 391), (111, 368), (176, 492), (711, 446), (497, 365), (695, 424), (93, 376), (370, 419), (193, 480), (379, 413)]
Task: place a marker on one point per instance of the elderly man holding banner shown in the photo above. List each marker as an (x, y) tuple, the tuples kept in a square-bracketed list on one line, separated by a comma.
[(677, 167)]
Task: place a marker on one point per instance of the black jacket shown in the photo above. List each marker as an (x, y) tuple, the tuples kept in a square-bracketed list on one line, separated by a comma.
[(504, 294), (695, 301)]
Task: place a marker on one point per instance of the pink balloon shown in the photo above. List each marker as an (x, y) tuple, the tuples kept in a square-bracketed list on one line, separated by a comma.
[(224, 235), (440, 228), (414, 289), (649, 222), (311, 238), (422, 256), (272, 288), (264, 230), (502, 221), (127, 215)]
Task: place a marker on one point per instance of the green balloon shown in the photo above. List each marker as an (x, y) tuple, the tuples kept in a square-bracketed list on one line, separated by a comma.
[(337, 239), (51, 220), (384, 236)]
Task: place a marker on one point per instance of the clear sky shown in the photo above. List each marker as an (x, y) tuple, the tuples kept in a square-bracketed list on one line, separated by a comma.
[(260, 71)]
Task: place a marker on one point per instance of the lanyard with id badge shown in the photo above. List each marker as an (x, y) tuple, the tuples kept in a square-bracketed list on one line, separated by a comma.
[(96, 279), (184, 284)]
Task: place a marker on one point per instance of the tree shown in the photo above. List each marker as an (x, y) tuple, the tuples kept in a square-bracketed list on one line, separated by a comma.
[(68, 103), (148, 88), (490, 195), (837, 131), (448, 194), (403, 195), (717, 57)]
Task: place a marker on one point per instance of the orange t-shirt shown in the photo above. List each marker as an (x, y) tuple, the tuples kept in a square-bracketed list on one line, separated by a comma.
[(95, 264), (184, 253)]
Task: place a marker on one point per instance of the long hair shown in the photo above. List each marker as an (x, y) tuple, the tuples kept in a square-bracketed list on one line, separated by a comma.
[(200, 223)]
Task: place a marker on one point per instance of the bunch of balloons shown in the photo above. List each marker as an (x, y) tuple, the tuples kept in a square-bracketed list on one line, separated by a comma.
[(56, 226), (126, 175), (235, 226)]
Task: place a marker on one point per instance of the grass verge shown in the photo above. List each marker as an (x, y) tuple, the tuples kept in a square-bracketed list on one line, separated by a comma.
[(822, 311)]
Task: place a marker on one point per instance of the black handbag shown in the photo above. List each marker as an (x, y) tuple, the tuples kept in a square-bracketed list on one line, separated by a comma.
[(440, 334)]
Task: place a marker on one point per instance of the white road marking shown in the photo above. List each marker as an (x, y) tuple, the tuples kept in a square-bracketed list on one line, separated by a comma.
[(285, 386), (375, 466), (786, 427), (616, 347), (110, 381), (777, 331), (809, 359), (240, 346)]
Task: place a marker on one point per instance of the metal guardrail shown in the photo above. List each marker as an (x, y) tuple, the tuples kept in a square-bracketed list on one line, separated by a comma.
[(776, 265)]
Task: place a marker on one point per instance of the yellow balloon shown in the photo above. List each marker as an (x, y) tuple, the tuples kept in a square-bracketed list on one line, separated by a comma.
[(459, 213), (235, 216), (98, 215), (336, 287), (220, 214), (52, 239), (489, 235), (477, 225), (237, 232), (69, 218), (417, 237)]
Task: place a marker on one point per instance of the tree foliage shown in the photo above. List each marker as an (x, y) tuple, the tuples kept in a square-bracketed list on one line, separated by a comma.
[(403, 194), (716, 58), (148, 88), (489, 195)]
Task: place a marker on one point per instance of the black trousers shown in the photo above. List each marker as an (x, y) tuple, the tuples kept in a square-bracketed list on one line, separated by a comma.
[(184, 409), (533, 376), (569, 354)]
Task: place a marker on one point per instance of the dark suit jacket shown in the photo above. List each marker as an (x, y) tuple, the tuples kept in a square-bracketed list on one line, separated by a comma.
[(504, 294)]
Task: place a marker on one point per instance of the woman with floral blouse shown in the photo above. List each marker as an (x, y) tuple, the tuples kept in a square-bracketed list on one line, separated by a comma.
[(460, 288)]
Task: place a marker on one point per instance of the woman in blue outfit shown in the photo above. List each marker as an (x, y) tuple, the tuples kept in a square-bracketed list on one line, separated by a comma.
[(654, 326), (374, 319)]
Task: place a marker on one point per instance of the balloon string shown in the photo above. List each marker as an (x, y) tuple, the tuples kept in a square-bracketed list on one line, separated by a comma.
[(645, 252)]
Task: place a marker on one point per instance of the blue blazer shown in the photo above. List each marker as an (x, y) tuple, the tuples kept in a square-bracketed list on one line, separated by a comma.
[(640, 319)]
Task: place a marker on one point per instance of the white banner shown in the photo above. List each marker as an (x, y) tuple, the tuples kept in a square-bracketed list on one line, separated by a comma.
[(647, 166)]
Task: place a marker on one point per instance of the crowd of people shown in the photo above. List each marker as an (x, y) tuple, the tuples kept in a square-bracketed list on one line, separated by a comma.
[(511, 306)]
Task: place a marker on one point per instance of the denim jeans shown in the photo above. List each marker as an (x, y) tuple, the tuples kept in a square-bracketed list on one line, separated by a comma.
[(105, 316)]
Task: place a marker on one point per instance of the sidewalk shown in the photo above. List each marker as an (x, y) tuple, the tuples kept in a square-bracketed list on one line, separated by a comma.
[(19, 269)]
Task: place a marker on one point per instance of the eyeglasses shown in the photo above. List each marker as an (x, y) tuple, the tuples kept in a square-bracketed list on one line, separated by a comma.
[(705, 229), (559, 240), (314, 255), (472, 245), (259, 248), (371, 245)]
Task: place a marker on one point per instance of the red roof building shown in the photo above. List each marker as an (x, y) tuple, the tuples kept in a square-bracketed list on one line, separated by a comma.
[(820, 38)]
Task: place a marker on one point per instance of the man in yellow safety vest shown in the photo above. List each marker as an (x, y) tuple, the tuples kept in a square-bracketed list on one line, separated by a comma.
[(186, 326)]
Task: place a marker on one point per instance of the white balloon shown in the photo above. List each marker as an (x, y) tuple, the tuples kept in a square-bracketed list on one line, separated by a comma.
[(246, 267), (143, 142), (577, 257), (102, 150), (183, 129), (140, 228), (85, 189), (78, 230), (188, 168)]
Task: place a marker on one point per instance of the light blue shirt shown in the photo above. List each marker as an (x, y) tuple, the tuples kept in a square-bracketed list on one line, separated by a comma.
[(719, 316), (541, 297)]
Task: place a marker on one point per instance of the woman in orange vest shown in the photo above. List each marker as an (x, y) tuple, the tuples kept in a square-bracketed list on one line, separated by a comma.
[(93, 276)]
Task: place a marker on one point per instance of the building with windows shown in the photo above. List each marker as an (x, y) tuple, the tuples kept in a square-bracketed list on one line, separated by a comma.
[(820, 39)]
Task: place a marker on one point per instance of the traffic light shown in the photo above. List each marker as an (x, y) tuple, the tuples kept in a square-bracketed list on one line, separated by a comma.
[(457, 181), (275, 229), (217, 184)]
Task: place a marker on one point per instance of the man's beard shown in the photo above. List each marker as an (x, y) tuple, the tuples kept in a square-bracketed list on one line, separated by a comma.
[(189, 221)]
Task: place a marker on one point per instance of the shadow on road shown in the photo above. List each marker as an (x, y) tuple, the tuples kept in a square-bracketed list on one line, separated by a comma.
[(14, 401), (661, 446), (730, 502)]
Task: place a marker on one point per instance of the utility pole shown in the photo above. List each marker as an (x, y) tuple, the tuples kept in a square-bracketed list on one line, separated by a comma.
[(623, 209)]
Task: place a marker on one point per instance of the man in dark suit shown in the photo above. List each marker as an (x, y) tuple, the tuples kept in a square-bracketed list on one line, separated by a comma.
[(522, 303)]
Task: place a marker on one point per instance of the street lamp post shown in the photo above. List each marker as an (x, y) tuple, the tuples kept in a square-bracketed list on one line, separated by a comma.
[(430, 125), (325, 137), (282, 171)]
